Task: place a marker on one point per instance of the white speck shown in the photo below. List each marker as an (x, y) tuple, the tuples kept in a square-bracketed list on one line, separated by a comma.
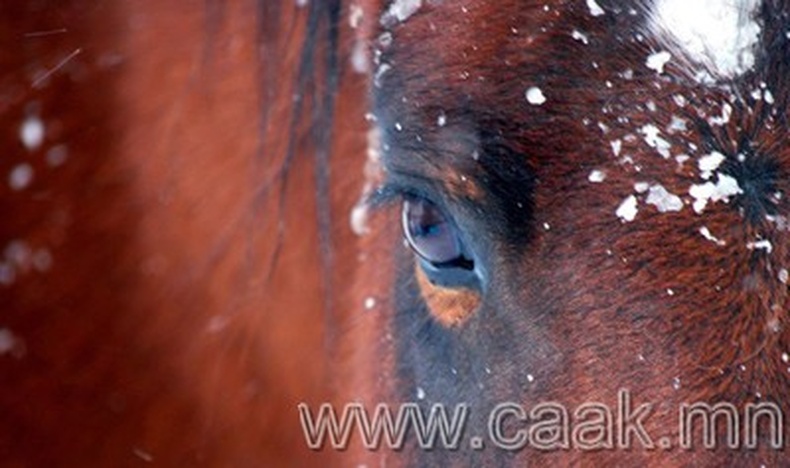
[(441, 120), (359, 57), (18, 254), (617, 146), (722, 190), (20, 176), (355, 16), (32, 132), (768, 96), (301, 3), (579, 36), (676, 383), (359, 219), (663, 200), (719, 35), (677, 125), (727, 187), (535, 96), (785, 357), (651, 134), (726, 113), (7, 341), (370, 303), (142, 454), (774, 324), (399, 11), (709, 163), (596, 176), (658, 60), (7, 274), (398, 126), (670, 292), (595, 9), (380, 71), (760, 244), (707, 235), (547, 226), (420, 393), (679, 100), (784, 275), (57, 155), (641, 187), (627, 209), (530, 378)]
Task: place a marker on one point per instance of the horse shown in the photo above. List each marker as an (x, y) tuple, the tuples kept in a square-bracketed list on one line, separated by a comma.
[(564, 221)]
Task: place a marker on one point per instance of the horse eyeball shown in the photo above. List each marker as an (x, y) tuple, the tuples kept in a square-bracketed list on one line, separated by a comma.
[(430, 233)]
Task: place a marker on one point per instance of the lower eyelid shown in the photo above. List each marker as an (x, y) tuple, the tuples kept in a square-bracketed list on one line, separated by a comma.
[(447, 305)]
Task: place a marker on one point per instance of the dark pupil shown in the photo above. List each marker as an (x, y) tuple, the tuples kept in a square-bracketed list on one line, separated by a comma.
[(429, 233)]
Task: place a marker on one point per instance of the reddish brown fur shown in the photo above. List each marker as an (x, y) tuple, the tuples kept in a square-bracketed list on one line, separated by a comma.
[(583, 306), (160, 330)]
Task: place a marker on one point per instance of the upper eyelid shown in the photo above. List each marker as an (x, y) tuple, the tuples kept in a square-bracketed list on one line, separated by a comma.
[(398, 186), (384, 195), (390, 193)]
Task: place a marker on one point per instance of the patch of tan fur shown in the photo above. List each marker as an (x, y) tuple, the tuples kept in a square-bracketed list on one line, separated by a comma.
[(448, 306)]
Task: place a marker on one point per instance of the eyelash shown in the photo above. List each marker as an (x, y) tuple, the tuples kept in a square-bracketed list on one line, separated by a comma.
[(391, 193)]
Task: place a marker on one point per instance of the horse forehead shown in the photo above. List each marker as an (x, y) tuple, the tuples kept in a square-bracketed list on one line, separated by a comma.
[(713, 40), (505, 59)]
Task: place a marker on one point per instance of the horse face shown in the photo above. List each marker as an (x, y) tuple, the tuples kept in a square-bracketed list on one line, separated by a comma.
[(593, 203)]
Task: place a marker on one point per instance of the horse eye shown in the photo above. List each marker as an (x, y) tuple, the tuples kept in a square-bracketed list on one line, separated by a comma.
[(431, 234)]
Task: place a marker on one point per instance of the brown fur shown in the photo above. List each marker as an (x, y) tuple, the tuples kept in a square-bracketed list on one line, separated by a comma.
[(582, 306), (159, 331)]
